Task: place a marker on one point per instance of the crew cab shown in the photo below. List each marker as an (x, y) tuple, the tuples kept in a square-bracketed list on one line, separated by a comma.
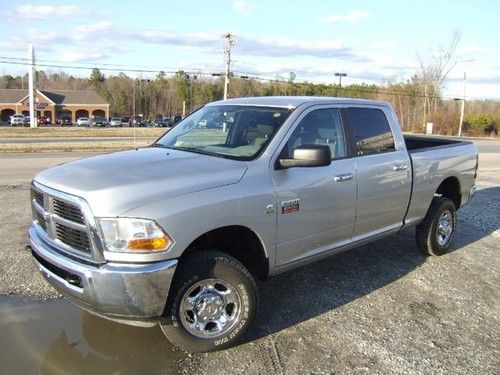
[(176, 233)]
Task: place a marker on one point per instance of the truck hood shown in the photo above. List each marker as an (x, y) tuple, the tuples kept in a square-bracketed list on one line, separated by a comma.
[(118, 182)]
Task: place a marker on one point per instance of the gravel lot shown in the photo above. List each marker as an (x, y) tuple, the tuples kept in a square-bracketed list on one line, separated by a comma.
[(382, 308)]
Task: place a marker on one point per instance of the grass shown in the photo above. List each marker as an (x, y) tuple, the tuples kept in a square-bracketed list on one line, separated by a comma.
[(75, 146), (63, 132)]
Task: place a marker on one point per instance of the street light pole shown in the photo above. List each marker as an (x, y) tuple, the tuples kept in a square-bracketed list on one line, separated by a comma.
[(340, 75)]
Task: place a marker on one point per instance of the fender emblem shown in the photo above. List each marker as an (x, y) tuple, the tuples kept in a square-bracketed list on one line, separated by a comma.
[(287, 207)]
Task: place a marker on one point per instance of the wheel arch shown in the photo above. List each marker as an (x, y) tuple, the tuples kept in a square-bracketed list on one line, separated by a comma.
[(450, 188), (238, 241)]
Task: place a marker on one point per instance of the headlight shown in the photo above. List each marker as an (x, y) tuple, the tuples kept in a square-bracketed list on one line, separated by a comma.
[(129, 235)]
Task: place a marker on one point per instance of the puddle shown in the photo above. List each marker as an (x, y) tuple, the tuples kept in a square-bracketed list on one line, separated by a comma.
[(55, 337)]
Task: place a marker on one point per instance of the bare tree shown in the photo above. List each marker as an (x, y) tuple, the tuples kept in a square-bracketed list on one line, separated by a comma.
[(434, 68)]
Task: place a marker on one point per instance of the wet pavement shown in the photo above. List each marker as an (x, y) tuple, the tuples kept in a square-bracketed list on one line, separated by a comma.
[(55, 337)]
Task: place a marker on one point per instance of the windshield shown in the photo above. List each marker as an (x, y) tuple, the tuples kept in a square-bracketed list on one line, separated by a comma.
[(231, 131)]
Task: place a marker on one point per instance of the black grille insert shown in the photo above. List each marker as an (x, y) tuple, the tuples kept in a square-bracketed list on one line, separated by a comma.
[(73, 237), (68, 211), (38, 197), (41, 221)]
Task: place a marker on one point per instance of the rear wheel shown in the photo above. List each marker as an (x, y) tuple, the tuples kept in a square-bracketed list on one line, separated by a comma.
[(435, 233), (212, 303)]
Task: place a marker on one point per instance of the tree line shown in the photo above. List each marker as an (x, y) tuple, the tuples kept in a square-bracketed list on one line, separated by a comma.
[(416, 101)]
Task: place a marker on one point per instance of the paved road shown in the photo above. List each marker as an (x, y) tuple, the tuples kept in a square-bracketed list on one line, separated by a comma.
[(18, 168)]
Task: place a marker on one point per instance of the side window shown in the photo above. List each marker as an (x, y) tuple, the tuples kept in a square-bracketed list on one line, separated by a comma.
[(321, 126), (370, 129)]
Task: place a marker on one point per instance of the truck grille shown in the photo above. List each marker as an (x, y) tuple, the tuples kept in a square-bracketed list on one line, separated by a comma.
[(63, 222), (73, 237), (68, 211)]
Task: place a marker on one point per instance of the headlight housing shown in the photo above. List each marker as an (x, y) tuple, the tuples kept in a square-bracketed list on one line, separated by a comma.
[(131, 235)]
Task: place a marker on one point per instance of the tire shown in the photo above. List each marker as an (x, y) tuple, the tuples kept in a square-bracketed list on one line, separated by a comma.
[(218, 292), (436, 232)]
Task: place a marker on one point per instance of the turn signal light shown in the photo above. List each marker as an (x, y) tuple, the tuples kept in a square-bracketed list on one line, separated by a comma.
[(149, 244)]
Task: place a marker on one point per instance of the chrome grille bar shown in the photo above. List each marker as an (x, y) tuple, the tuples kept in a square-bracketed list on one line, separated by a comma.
[(66, 222)]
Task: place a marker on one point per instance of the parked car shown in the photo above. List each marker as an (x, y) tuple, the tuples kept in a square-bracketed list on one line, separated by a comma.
[(126, 121), (137, 121), (43, 120), (83, 121), (27, 120), (16, 120), (99, 121), (115, 121), (176, 233), (175, 119), (64, 120), (161, 122)]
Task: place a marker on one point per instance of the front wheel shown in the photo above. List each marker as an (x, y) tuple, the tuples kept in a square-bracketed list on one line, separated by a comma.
[(212, 303), (435, 233)]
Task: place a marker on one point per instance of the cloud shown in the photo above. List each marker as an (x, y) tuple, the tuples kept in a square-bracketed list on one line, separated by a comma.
[(244, 7), (46, 11), (310, 72), (208, 42), (354, 16), (43, 11), (291, 48), (72, 57)]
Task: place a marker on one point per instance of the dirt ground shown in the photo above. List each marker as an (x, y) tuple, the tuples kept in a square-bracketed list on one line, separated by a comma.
[(382, 308)]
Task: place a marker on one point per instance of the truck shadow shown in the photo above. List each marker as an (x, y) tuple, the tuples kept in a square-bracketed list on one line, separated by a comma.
[(304, 293)]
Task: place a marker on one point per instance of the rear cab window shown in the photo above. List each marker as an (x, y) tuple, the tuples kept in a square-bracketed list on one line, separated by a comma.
[(370, 131)]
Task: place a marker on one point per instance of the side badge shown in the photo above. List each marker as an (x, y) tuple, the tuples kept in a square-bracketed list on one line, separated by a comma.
[(287, 207)]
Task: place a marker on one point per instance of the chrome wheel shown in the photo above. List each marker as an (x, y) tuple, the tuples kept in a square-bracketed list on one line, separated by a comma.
[(444, 228), (210, 308)]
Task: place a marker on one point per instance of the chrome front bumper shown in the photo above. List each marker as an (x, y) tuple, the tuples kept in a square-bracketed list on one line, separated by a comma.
[(134, 294)]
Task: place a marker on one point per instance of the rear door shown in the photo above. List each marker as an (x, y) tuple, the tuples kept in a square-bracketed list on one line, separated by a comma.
[(316, 206), (383, 172)]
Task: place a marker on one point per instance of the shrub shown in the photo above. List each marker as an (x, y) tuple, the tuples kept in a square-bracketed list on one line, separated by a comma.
[(478, 124)]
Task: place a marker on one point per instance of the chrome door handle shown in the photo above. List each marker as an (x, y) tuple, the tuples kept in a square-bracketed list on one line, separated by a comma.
[(400, 167), (343, 177)]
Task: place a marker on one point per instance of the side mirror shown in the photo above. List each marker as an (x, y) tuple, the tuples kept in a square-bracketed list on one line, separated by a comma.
[(308, 156)]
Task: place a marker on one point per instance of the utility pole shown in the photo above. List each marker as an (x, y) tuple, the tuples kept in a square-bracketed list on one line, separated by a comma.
[(462, 110), (227, 57), (31, 86)]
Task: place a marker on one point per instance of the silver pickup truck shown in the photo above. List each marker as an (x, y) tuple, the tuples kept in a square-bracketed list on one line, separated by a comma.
[(176, 233)]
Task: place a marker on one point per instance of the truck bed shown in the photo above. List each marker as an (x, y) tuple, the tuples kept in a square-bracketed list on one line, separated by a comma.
[(433, 160), (416, 143)]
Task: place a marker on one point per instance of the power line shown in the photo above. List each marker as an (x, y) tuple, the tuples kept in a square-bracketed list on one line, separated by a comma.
[(243, 75)]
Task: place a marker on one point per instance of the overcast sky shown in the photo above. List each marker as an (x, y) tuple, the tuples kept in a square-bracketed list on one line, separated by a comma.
[(370, 41)]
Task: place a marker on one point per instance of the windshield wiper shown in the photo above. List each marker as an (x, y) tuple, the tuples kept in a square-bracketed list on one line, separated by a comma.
[(160, 145), (194, 150)]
